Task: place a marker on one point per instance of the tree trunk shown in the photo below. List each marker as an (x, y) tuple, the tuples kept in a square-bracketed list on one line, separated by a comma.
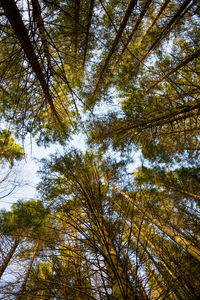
[(9, 256), (156, 253), (177, 114), (158, 289), (122, 26), (181, 191), (136, 278), (37, 17), (121, 288), (166, 30), (89, 21), (156, 17), (183, 63), (186, 245), (12, 13), (140, 18), (21, 291)]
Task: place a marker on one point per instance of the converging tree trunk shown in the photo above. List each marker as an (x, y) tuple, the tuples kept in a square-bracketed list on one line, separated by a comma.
[(12, 13), (23, 286), (186, 245), (9, 256)]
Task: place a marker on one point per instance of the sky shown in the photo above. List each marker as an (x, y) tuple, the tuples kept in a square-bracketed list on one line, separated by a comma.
[(24, 173)]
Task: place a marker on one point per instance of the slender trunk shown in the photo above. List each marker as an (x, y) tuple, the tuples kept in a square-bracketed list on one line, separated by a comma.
[(121, 287), (181, 191), (88, 30), (156, 253), (122, 26), (177, 114), (181, 131), (157, 17), (166, 30), (144, 34), (76, 27), (183, 63), (9, 256), (77, 269), (117, 274), (142, 290), (23, 286), (176, 282), (37, 16), (160, 291), (186, 245), (143, 293), (12, 13), (143, 12)]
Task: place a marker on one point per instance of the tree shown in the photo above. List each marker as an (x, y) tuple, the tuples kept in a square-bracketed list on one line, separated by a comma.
[(83, 181), (22, 222), (126, 74), (10, 151)]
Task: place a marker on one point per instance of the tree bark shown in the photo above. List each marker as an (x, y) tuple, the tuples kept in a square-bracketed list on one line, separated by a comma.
[(12, 13), (137, 279), (88, 30), (142, 14), (179, 113), (23, 286), (157, 16), (183, 63), (119, 282), (122, 26), (9, 256), (167, 28), (186, 245), (37, 17)]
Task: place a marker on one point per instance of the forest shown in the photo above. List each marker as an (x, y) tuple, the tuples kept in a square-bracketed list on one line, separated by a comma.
[(125, 75)]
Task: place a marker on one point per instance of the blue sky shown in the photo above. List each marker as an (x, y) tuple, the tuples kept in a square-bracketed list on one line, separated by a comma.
[(24, 173)]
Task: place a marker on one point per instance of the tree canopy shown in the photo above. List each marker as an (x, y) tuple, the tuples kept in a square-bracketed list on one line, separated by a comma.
[(125, 75)]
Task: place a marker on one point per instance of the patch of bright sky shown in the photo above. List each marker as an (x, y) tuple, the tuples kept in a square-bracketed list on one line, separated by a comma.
[(24, 175)]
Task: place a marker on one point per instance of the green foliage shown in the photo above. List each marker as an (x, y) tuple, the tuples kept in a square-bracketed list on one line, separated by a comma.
[(10, 151), (102, 234), (24, 217)]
